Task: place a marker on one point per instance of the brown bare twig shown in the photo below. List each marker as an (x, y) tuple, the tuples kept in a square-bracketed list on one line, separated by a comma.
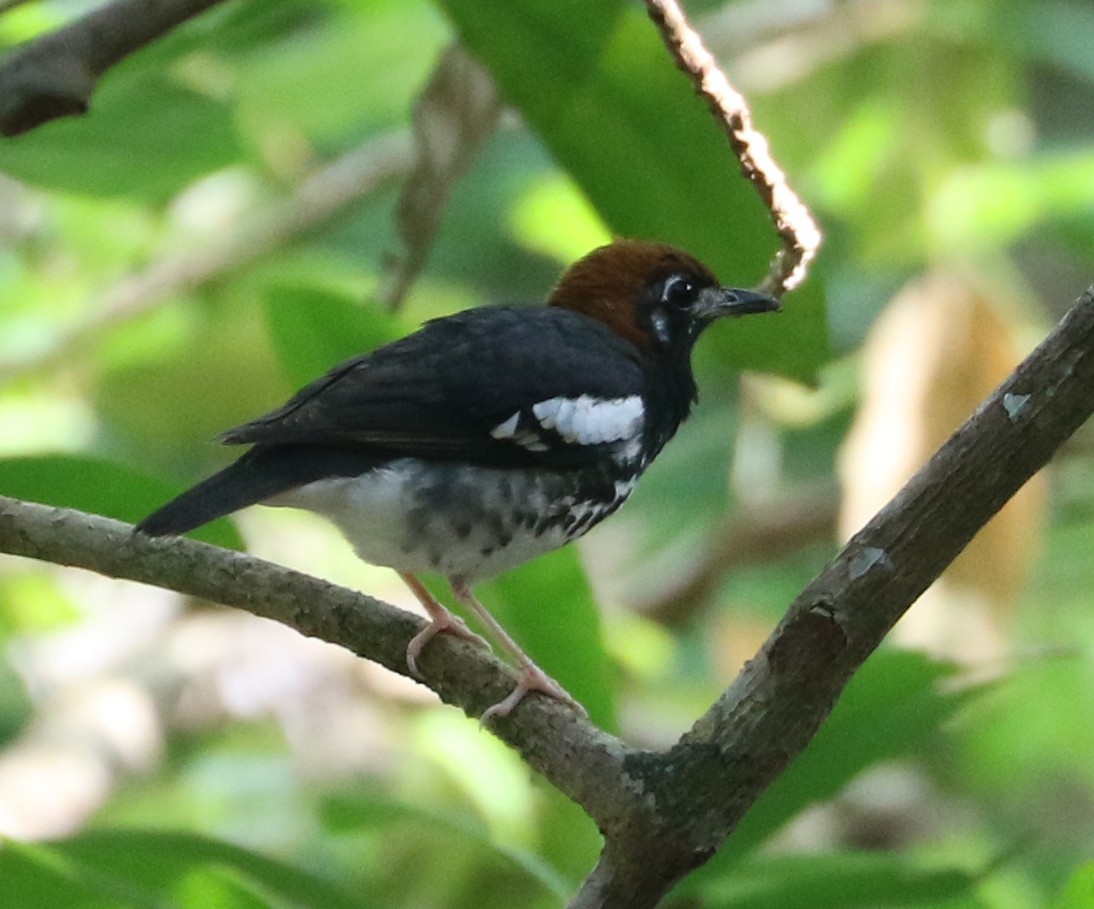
[(794, 223)]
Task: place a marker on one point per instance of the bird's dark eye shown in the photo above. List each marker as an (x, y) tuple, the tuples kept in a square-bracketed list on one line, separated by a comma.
[(678, 292)]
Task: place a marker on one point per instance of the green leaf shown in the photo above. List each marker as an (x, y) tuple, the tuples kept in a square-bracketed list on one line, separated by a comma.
[(835, 881), (16, 707), (598, 86), (217, 371), (364, 811), (158, 870), (1079, 892), (100, 487), (892, 707), (317, 81), (222, 888), (548, 607), (36, 877), (313, 329), (145, 137)]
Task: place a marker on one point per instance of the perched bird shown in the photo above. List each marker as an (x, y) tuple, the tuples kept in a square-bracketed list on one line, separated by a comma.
[(488, 437)]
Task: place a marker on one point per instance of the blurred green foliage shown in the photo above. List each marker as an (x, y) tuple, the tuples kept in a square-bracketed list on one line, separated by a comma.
[(923, 132)]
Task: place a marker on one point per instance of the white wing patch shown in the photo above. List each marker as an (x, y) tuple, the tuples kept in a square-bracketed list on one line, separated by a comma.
[(512, 430), (583, 420), (506, 429), (586, 420)]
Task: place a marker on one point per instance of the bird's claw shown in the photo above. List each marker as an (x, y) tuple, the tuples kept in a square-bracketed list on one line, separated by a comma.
[(440, 624), (532, 678)]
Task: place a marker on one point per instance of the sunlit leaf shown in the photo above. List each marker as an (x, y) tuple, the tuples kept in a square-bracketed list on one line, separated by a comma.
[(837, 881), (314, 329), (1079, 893), (146, 137)]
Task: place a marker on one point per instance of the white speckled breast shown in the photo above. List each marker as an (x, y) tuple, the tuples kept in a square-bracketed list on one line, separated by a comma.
[(460, 520)]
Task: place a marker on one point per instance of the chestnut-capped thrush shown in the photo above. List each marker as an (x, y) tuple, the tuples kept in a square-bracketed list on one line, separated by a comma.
[(488, 437)]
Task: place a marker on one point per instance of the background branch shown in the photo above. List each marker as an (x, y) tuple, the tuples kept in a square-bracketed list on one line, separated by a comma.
[(322, 195), (55, 75), (754, 534), (662, 814)]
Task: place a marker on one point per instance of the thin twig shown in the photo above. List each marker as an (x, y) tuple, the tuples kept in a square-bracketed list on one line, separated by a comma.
[(794, 223)]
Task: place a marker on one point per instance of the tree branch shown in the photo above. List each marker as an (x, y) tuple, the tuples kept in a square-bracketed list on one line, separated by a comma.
[(777, 703), (793, 221), (55, 75), (662, 813), (575, 755)]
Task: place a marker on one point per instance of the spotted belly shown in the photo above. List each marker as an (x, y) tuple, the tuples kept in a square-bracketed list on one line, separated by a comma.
[(460, 520)]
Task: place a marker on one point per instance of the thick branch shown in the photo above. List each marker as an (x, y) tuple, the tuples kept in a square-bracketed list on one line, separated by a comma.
[(55, 75), (777, 703), (573, 754)]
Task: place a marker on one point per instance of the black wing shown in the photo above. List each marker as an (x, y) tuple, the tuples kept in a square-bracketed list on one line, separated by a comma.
[(440, 392)]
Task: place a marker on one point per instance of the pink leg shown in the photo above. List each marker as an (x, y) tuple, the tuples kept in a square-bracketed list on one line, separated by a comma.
[(532, 678), (440, 621)]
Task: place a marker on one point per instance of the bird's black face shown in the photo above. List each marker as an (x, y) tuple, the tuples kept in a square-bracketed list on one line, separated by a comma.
[(652, 295), (676, 309), (665, 311)]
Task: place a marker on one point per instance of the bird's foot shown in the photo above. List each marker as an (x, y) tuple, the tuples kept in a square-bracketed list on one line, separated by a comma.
[(440, 624), (532, 678), (441, 621)]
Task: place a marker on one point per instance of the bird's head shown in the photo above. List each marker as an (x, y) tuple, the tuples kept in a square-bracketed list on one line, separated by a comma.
[(655, 296)]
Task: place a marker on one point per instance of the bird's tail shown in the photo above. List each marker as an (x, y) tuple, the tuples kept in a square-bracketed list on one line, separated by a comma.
[(261, 473)]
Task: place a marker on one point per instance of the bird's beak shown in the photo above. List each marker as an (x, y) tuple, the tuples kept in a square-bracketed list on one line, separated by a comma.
[(717, 302)]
